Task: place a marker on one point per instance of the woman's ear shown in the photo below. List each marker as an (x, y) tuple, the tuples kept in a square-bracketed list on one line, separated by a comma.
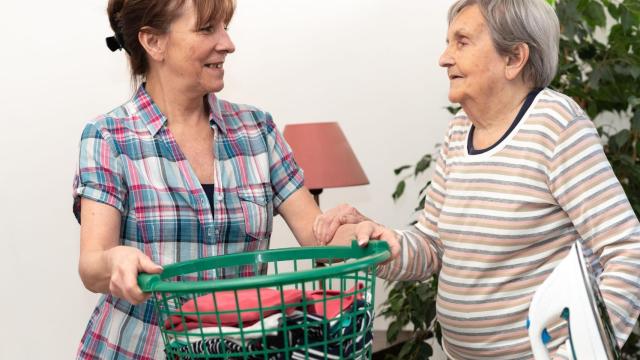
[(516, 61), (153, 42)]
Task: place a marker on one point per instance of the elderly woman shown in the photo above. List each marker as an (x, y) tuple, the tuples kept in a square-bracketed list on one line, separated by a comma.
[(521, 175), (175, 173)]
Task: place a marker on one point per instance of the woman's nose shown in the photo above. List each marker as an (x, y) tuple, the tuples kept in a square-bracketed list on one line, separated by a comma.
[(445, 59), (226, 44)]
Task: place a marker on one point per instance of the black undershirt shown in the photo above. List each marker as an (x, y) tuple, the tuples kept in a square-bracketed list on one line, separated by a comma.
[(527, 103), (208, 190)]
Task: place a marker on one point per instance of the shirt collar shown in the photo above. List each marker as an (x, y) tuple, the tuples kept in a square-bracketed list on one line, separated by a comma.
[(215, 112), (154, 119)]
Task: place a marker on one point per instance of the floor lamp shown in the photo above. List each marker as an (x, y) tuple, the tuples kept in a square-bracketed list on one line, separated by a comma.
[(323, 152)]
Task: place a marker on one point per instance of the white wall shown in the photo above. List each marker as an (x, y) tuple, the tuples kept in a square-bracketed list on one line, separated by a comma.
[(369, 64)]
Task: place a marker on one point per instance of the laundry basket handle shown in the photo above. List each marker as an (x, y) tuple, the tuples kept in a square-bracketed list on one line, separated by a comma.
[(375, 252)]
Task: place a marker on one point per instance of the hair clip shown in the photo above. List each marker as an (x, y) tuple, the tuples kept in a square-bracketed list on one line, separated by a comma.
[(116, 43)]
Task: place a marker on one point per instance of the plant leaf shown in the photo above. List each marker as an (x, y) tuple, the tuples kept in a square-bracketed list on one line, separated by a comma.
[(424, 351), (425, 187), (627, 18), (401, 169), (423, 292), (621, 138), (453, 109), (394, 330), (633, 6), (422, 165), (595, 14), (613, 9), (627, 161), (399, 190), (407, 349), (594, 78), (421, 204), (635, 121)]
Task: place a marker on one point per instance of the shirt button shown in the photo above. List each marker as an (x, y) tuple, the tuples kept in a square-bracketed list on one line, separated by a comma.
[(217, 231), (210, 231), (220, 196), (203, 200)]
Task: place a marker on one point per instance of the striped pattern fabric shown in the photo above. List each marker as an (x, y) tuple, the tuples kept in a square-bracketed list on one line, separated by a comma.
[(130, 160), (497, 223)]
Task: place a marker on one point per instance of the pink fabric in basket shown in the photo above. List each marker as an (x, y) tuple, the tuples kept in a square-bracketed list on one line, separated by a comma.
[(226, 301), (333, 301), (248, 300)]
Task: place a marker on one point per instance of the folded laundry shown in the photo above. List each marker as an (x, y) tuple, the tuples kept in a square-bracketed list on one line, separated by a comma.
[(300, 335), (266, 326), (213, 346), (330, 303), (347, 338), (246, 307), (230, 308)]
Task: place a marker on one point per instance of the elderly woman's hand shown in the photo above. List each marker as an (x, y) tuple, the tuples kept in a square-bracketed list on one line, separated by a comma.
[(125, 262), (369, 230), (326, 224), (365, 231)]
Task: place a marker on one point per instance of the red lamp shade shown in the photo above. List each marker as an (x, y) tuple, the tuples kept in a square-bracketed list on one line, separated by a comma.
[(325, 155)]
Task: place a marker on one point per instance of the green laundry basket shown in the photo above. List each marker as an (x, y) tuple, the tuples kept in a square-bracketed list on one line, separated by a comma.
[(304, 303)]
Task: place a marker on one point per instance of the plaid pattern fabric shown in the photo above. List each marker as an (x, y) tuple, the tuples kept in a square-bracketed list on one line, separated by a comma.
[(130, 160)]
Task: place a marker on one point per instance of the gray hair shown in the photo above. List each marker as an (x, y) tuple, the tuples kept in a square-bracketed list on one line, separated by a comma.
[(512, 22)]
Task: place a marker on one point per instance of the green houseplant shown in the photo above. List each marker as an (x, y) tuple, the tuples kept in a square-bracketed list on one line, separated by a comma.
[(599, 67)]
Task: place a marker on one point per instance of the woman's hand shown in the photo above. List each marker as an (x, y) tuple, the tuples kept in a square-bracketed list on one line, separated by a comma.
[(326, 224), (125, 262), (368, 230), (365, 231)]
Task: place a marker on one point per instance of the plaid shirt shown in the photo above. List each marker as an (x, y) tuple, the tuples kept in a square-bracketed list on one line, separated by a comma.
[(130, 160)]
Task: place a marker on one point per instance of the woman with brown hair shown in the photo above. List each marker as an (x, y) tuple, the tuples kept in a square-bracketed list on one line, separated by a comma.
[(175, 173)]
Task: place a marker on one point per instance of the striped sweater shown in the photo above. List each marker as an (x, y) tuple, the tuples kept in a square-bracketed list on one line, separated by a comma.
[(496, 224)]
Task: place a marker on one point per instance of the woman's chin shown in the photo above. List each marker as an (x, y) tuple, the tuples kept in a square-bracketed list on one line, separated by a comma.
[(213, 88), (454, 97)]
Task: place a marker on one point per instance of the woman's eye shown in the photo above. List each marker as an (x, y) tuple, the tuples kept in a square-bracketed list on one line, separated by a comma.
[(207, 29)]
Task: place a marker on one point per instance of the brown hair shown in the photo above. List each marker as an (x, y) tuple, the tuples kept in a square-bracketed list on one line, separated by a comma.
[(128, 17)]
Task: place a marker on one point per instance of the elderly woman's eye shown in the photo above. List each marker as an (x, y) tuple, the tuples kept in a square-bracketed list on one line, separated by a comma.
[(208, 28)]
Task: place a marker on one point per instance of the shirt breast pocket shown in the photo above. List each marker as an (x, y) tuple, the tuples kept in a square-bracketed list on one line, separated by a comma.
[(257, 209)]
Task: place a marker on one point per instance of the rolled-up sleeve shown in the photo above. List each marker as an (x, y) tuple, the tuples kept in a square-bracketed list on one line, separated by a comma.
[(99, 175)]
